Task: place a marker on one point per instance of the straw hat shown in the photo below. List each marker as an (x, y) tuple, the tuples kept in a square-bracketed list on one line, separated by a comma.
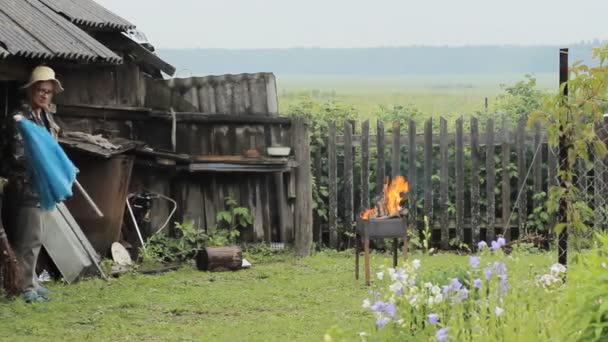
[(41, 74)]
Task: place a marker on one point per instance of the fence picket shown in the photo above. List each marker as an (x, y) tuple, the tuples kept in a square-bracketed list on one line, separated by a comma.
[(490, 181), (522, 170), (428, 170), (475, 216), (348, 177), (396, 150), (365, 166), (412, 174), (538, 166), (443, 184), (506, 181), (459, 181), (332, 158), (381, 171)]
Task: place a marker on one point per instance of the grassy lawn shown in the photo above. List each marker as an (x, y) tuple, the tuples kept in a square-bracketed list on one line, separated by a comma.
[(279, 299)]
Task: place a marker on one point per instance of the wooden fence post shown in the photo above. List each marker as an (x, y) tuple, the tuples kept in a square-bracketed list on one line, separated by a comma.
[(348, 195), (396, 150), (506, 180), (490, 181), (381, 171), (475, 215), (332, 160), (443, 185), (364, 166), (459, 181), (303, 205), (428, 172), (522, 170), (412, 172)]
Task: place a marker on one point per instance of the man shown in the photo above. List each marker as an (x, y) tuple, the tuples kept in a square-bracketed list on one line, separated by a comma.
[(29, 230)]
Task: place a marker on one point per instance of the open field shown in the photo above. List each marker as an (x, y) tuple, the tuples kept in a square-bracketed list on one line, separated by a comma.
[(436, 95), (280, 299)]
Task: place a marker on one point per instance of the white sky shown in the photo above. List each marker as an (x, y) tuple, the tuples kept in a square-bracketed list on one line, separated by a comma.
[(362, 23)]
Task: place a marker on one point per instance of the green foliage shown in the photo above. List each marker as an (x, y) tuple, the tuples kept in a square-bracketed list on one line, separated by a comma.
[(570, 124), (161, 248), (519, 99), (229, 222), (538, 220)]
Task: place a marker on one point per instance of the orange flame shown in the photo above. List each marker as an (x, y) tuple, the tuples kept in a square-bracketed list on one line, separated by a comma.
[(392, 197)]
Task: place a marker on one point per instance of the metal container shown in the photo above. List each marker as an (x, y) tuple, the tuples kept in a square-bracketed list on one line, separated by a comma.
[(382, 228)]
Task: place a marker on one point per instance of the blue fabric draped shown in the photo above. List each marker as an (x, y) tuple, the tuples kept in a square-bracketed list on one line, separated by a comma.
[(51, 172)]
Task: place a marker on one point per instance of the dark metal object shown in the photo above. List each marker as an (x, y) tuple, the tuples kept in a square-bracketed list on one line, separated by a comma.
[(378, 228)]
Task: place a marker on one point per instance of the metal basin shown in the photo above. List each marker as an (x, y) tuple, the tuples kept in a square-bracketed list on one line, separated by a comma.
[(387, 228)]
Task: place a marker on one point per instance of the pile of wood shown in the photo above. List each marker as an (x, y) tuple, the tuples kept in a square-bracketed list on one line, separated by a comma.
[(390, 204)]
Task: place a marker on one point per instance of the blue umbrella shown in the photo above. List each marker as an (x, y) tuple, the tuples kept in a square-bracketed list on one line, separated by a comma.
[(51, 172)]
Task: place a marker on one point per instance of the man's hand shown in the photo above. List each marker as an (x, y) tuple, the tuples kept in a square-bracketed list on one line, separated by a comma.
[(18, 117)]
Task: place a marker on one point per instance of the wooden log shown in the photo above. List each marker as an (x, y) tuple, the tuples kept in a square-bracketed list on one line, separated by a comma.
[(428, 170), (443, 185), (490, 181), (506, 180), (475, 210), (332, 158), (381, 169), (303, 204), (522, 170), (365, 166), (412, 171), (396, 150), (348, 179), (459, 181), (220, 258)]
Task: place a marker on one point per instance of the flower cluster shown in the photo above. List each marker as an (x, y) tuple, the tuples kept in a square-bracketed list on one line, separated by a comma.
[(402, 296), (553, 279)]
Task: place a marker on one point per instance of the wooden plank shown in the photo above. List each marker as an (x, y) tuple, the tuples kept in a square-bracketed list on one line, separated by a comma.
[(381, 169), (490, 181), (396, 150), (428, 170), (303, 204), (537, 164), (347, 196), (412, 171), (332, 159), (443, 185), (506, 180), (459, 181), (475, 214), (522, 170), (269, 234), (318, 174), (282, 207), (365, 166), (255, 206)]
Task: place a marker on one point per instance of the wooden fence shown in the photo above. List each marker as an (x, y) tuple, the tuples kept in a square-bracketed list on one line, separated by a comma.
[(457, 179)]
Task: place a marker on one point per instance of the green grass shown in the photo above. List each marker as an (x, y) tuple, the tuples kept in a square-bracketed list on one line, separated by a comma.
[(277, 300), (434, 95)]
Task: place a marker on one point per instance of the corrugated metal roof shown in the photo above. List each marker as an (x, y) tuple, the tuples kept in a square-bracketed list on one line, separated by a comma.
[(90, 14), (30, 29)]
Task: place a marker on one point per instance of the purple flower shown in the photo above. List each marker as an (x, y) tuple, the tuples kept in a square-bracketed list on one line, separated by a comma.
[(462, 295), (442, 334), (455, 284), (474, 261), (477, 283), (390, 310), (503, 285), (488, 272), (501, 269), (446, 290), (494, 246), (433, 318), (378, 306), (381, 322), (501, 241), (481, 245)]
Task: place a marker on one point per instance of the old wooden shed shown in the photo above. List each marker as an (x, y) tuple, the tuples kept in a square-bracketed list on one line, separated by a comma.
[(182, 138)]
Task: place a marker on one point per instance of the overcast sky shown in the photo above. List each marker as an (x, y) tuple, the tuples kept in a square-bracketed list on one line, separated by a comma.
[(359, 23)]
